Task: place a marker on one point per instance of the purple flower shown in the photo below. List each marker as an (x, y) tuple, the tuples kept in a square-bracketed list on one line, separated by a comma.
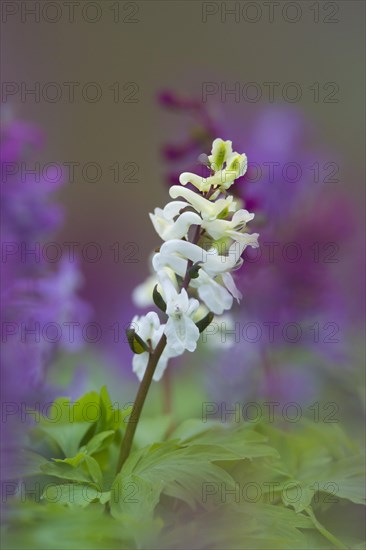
[(39, 305), (18, 138), (42, 315), (28, 213)]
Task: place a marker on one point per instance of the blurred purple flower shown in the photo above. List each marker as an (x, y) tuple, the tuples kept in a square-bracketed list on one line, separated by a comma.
[(40, 316), (18, 138), (28, 214), (33, 296)]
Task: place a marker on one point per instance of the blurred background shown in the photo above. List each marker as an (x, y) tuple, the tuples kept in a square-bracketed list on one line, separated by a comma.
[(127, 94)]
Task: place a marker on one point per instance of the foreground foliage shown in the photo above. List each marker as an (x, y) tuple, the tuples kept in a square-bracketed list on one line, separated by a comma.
[(200, 485)]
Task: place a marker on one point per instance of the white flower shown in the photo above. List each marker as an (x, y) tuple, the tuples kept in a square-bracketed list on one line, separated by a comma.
[(217, 229), (216, 293), (213, 213), (165, 224), (148, 327), (229, 282), (175, 253), (181, 331), (215, 296), (209, 210), (236, 166)]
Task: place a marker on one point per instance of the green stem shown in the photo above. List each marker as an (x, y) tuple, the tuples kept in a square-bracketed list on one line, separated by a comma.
[(337, 543), (139, 402)]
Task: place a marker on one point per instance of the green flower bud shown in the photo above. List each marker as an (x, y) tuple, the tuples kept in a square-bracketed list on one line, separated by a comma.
[(158, 299), (136, 343), (207, 320)]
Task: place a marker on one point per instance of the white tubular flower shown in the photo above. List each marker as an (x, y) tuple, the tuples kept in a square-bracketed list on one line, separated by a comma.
[(213, 213), (223, 178), (162, 260), (181, 331), (218, 263), (228, 228), (215, 296), (216, 293), (172, 252), (148, 327), (209, 210), (229, 282), (165, 224)]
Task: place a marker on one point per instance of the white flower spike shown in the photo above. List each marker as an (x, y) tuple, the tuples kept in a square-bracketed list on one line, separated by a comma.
[(205, 235)]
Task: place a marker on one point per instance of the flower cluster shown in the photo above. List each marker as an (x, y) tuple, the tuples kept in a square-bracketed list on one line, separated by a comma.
[(204, 233)]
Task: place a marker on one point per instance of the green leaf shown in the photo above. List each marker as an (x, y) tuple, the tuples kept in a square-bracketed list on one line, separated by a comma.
[(99, 441), (242, 441), (193, 427), (345, 479), (64, 471), (178, 471), (94, 470), (63, 411), (71, 494), (298, 496), (110, 418), (134, 497), (310, 460), (56, 526), (67, 436), (74, 461), (89, 425), (151, 430), (256, 527)]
